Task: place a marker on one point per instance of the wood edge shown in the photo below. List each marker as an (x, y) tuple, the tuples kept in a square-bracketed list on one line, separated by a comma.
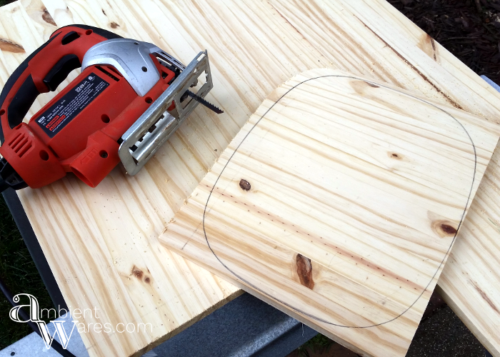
[(302, 320), (276, 304), (456, 308), (188, 324)]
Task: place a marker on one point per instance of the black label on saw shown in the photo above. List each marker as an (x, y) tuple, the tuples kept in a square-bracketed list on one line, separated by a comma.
[(71, 104)]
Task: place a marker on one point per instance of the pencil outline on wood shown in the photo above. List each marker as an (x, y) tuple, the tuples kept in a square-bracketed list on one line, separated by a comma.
[(257, 123)]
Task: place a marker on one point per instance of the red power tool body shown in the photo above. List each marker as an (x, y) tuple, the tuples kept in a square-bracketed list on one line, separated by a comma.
[(80, 129)]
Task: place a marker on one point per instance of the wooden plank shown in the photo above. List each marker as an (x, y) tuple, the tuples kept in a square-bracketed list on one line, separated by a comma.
[(339, 199), (253, 48), (118, 269), (372, 38), (470, 279)]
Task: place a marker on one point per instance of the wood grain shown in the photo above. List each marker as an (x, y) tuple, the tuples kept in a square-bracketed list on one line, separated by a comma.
[(475, 303), (470, 279), (253, 47), (352, 196), (118, 268)]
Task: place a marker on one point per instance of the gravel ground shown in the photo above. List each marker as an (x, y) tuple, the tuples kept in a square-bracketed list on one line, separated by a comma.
[(470, 29), (444, 335)]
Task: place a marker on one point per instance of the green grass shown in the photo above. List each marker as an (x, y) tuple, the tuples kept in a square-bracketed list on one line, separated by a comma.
[(19, 273), (316, 344)]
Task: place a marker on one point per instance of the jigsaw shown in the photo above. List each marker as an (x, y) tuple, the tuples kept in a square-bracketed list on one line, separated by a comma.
[(129, 98)]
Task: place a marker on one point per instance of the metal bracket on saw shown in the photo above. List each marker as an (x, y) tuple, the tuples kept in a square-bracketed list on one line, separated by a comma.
[(156, 125)]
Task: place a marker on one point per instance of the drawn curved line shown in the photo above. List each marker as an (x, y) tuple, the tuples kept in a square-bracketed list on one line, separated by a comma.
[(288, 305)]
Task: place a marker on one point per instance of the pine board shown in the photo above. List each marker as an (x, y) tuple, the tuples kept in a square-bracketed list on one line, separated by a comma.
[(470, 280), (104, 251), (279, 39), (339, 201)]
